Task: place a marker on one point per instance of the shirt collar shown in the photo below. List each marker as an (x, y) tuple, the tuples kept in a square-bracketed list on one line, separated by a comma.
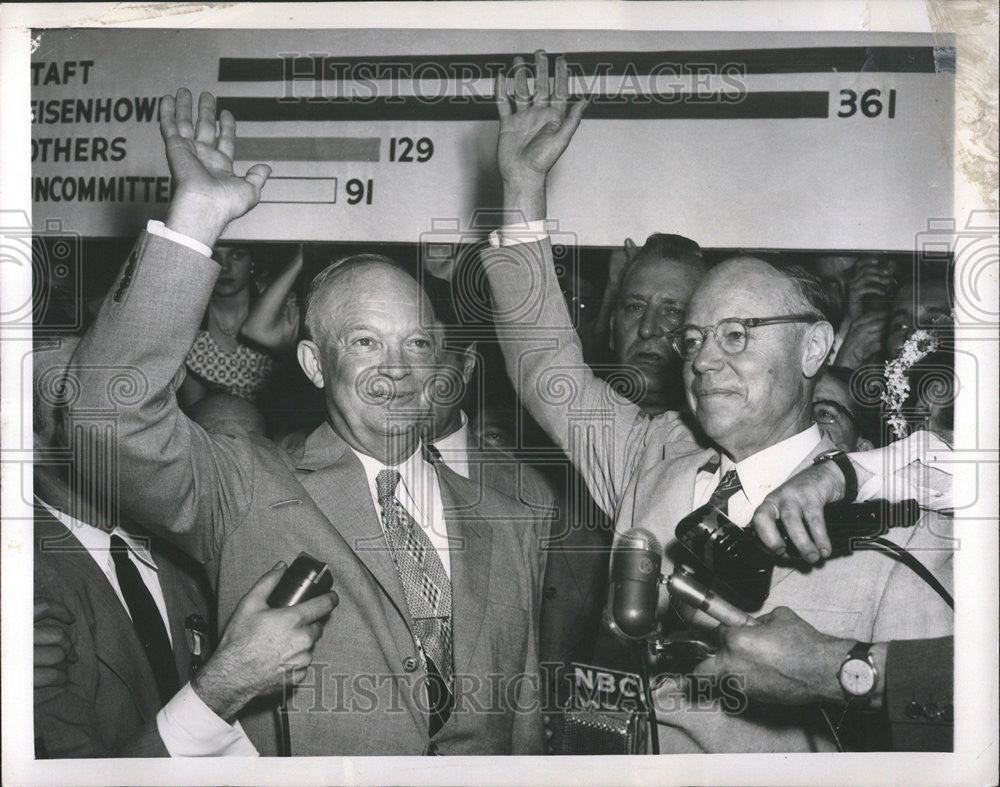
[(761, 473), (413, 473), (454, 448), (97, 542), (457, 440)]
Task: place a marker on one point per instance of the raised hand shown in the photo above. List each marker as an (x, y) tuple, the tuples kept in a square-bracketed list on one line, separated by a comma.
[(863, 341), (208, 194), (534, 134)]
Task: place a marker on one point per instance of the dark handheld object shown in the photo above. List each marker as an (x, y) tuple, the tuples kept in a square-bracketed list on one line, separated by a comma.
[(305, 579), (738, 558)]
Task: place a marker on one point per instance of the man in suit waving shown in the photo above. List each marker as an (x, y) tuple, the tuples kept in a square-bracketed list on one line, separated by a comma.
[(433, 646)]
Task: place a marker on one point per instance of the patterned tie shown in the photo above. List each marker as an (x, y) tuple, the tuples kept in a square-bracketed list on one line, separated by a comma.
[(425, 583), (728, 486), (147, 621)]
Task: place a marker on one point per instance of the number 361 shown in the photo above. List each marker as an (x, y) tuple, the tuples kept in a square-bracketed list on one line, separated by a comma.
[(870, 103)]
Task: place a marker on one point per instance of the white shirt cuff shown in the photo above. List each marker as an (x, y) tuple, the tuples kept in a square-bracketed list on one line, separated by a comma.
[(514, 234), (189, 728), (163, 231), (914, 467)]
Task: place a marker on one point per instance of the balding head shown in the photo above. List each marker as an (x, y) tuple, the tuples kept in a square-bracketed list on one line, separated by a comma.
[(751, 400), (373, 349), (222, 413)]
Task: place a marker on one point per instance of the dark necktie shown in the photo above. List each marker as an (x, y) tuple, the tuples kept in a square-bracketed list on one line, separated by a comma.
[(428, 594), (728, 486), (147, 621)]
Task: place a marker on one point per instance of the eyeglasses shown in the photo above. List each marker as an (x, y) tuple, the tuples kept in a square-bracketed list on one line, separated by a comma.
[(826, 411), (730, 334)]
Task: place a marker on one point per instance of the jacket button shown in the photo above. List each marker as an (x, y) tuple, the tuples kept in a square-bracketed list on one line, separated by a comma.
[(432, 749), (410, 664), (948, 712), (550, 592), (913, 709), (931, 710)]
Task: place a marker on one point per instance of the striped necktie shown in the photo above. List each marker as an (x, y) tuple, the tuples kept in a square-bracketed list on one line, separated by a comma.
[(427, 589)]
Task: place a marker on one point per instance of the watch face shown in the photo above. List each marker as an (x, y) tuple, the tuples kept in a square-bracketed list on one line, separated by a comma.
[(857, 677)]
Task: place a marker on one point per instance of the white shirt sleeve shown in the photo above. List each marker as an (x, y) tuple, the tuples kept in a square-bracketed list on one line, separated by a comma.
[(189, 728), (914, 467), (163, 231), (513, 234)]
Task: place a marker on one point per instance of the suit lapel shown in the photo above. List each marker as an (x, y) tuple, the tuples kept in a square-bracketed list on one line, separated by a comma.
[(116, 643), (182, 600), (680, 476), (471, 548), (337, 483)]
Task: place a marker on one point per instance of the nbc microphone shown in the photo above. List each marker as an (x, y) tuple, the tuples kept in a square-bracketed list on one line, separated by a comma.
[(636, 557)]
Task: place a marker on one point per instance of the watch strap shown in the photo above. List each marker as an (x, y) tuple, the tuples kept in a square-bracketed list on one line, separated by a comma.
[(850, 474)]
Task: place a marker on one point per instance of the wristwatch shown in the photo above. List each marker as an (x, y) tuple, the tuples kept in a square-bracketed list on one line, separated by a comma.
[(857, 674), (840, 459)]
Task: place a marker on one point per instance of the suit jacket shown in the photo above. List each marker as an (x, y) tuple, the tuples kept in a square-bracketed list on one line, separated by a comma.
[(642, 472), (108, 706), (919, 681), (239, 503)]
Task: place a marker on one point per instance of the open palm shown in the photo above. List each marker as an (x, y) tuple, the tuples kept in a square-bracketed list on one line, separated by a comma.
[(201, 157), (536, 132)]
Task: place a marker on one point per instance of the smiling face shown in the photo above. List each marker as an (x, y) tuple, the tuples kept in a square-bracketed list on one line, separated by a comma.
[(236, 267), (373, 354), (754, 399), (652, 302)]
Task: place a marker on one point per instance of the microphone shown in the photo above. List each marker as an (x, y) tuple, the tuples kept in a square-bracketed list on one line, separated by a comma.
[(636, 557)]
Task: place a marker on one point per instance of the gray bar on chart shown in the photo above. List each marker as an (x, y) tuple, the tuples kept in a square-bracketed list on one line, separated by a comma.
[(309, 149)]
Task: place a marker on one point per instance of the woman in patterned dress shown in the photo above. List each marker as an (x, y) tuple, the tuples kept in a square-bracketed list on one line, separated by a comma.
[(242, 334)]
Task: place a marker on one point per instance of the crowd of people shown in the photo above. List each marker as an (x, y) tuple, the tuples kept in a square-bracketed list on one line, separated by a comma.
[(464, 479)]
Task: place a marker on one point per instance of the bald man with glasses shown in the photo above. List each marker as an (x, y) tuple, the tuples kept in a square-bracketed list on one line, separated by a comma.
[(754, 339)]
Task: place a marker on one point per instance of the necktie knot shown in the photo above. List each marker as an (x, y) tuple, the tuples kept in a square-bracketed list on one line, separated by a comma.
[(385, 483), (730, 481)]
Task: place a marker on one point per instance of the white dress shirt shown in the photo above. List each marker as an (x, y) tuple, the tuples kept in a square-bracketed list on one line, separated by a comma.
[(759, 474), (419, 493), (187, 726), (454, 448)]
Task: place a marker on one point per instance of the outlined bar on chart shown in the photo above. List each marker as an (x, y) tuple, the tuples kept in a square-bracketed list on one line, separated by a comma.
[(285, 189)]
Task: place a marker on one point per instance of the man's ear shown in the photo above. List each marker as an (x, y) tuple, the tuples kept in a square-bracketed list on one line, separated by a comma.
[(611, 331), (469, 358), (309, 359), (816, 346)]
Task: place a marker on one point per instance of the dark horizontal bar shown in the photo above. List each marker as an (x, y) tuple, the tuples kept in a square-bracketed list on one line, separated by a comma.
[(786, 60), (757, 105), (309, 148)]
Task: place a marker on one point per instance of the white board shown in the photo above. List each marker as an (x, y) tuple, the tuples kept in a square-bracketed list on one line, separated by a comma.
[(735, 140)]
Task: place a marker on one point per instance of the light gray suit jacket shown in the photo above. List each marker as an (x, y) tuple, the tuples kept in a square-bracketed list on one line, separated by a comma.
[(109, 704), (641, 471), (239, 504)]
